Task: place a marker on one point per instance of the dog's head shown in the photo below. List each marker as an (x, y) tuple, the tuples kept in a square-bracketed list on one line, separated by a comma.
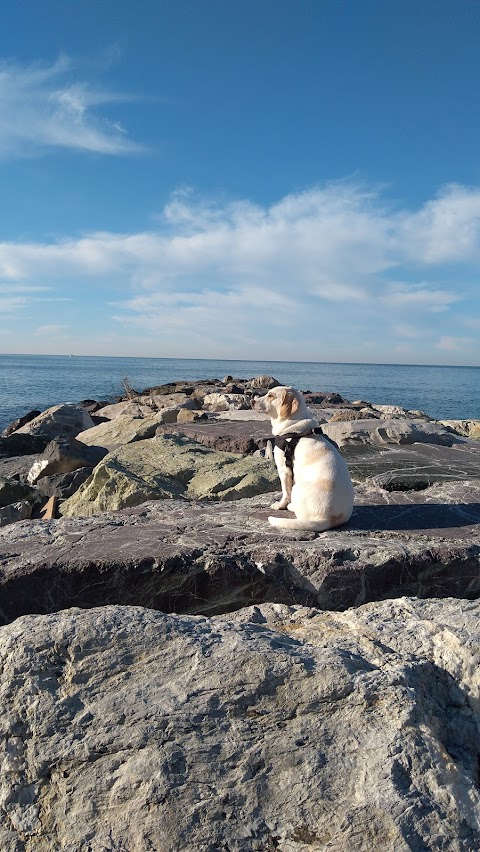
[(280, 403)]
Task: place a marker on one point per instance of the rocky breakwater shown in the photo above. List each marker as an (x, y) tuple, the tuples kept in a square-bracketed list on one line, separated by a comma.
[(218, 685), (203, 544)]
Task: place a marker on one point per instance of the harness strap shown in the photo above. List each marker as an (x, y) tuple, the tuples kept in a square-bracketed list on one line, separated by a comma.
[(287, 443)]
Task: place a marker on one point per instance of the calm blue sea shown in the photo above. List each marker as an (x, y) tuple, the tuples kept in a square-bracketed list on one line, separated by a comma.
[(39, 381)]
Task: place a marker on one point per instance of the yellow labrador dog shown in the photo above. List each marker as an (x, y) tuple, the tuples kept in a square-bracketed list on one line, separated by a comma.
[(318, 489)]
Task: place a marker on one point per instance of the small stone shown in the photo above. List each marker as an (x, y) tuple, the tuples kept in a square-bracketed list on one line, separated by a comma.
[(20, 511)]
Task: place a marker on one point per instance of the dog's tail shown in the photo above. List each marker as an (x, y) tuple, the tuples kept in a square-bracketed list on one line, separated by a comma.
[(296, 524)]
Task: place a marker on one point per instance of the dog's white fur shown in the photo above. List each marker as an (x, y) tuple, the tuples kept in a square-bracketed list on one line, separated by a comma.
[(321, 495)]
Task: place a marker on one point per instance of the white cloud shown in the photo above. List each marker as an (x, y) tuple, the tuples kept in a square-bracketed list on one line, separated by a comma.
[(11, 304), (411, 332), (43, 107), (53, 330), (446, 229), (472, 322), (419, 296), (329, 268), (453, 344)]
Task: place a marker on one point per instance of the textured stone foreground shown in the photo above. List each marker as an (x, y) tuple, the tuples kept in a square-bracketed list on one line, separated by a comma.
[(211, 558), (279, 728)]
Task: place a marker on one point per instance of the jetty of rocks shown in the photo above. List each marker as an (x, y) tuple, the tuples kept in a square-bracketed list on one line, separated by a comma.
[(176, 674)]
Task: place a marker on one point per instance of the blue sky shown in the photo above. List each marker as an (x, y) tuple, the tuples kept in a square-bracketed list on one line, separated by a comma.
[(278, 179)]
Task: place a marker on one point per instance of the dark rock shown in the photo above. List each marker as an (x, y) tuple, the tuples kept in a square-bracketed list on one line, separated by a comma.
[(233, 436), (20, 511), (187, 388), (16, 467), (63, 485), (314, 398), (21, 421), (97, 419), (231, 387), (12, 491), (19, 444), (92, 405), (333, 399), (64, 455)]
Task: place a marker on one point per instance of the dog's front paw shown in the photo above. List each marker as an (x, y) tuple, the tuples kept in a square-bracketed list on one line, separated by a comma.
[(280, 505)]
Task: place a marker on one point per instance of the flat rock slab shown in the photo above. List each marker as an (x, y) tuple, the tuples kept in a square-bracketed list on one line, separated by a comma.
[(209, 557), (233, 436), (278, 729), (415, 466)]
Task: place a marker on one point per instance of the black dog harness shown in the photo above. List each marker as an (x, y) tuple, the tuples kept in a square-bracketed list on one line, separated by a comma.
[(288, 442)]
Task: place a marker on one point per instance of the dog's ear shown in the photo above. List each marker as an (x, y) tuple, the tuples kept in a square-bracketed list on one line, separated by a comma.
[(289, 405)]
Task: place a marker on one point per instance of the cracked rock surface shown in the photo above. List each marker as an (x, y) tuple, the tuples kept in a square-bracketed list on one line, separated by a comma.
[(278, 728), (209, 557)]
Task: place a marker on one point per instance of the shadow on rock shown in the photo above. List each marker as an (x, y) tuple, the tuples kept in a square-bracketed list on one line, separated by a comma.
[(414, 516)]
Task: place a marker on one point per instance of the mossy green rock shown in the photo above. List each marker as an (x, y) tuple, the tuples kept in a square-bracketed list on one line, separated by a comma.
[(169, 466)]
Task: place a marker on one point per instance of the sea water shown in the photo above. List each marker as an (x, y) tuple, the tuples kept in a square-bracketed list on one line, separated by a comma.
[(39, 381)]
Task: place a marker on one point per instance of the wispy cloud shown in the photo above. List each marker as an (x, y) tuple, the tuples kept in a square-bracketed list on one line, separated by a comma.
[(45, 107), (51, 330), (446, 229), (11, 304), (424, 296), (453, 344)]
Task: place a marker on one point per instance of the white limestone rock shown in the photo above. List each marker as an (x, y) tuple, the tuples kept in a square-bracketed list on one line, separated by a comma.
[(466, 428), (272, 728), (225, 402), (390, 411)]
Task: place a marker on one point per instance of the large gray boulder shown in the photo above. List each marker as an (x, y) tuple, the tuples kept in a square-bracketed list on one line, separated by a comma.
[(129, 407), (20, 421), (64, 455), (283, 728), (394, 431), (263, 382), (65, 419), (123, 429), (165, 467)]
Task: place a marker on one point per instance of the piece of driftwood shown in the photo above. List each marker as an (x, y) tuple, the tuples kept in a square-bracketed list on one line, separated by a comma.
[(49, 509)]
